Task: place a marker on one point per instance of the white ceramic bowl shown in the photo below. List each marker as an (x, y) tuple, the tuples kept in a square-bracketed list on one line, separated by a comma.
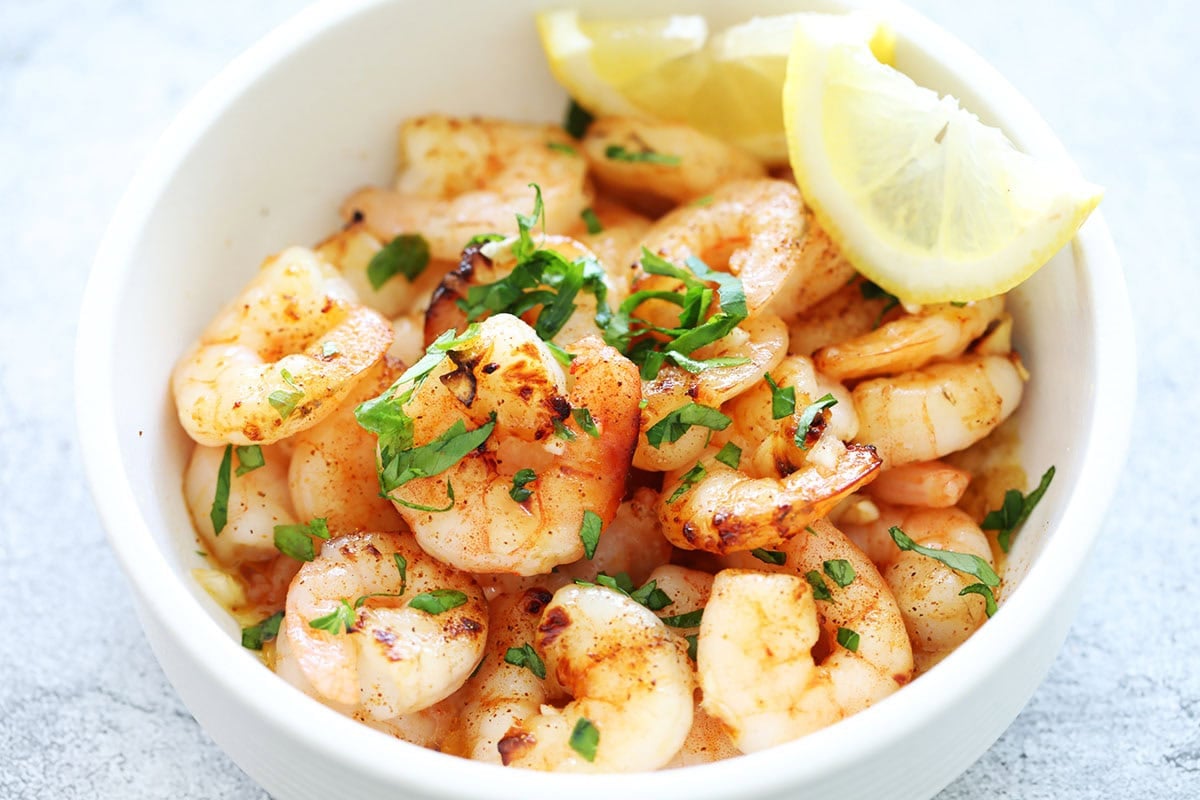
[(261, 159)]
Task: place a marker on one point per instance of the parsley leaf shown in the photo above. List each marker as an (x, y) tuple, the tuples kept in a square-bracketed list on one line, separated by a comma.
[(526, 656), (966, 563), (219, 513), (576, 119), (819, 587), (617, 152), (689, 479), (407, 255), (841, 570), (783, 401), (342, 618), (254, 636), (559, 147), (730, 455), (693, 641), (518, 491), (584, 739), (438, 601), (589, 532), (689, 620), (674, 425), (296, 541), (776, 557), (848, 639), (873, 291), (809, 416), (1014, 511), (249, 459), (434, 458), (592, 221), (989, 598), (649, 595), (563, 432), (431, 509), (583, 418), (283, 401)]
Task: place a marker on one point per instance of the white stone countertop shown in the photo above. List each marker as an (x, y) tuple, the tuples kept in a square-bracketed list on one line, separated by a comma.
[(86, 87)]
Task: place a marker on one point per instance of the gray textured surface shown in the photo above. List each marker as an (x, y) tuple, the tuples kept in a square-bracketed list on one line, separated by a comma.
[(85, 711)]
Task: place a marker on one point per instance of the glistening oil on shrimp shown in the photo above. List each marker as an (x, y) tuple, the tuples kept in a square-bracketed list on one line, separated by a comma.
[(561, 428)]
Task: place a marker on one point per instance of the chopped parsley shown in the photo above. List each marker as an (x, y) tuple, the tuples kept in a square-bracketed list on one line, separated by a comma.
[(254, 636), (618, 152), (296, 541), (565, 149), (730, 455), (249, 459), (407, 255), (848, 639), (592, 221), (689, 479), (689, 620), (434, 458), (674, 425), (809, 416), (438, 601), (589, 532), (344, 616), (841, 570), (523, 478), (329, 350), (585, 737), (966, 563), (1015, 509), (783, 401), (219, 513), (282, 400), (576, 119), (563, 432), (648, 595), (776, 557), (583, 418), (819, 587), (526, 656), (701, 202), (693, 641), (873, 291)]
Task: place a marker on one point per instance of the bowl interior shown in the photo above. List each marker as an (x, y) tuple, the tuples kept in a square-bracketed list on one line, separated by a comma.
[(264, 157)]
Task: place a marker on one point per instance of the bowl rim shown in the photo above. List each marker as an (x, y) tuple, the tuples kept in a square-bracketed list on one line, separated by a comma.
[(1051, 576)]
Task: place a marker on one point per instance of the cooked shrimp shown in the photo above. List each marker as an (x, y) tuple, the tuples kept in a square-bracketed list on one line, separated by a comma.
[(932, 484), (762, 340), (502, 694), (395, 658), (506, 371), (409, 342), (844, 314), (631, 544), (728, 511), (332, 473), (755, 655), (279, 357), (258, 501), (937, 617), (939, 409), (688, 589), (485, 264), (706, 742), (662, 159), (766, 442), (758, 231), (351, 250), (935, 333), (630, 679), (462, 177)]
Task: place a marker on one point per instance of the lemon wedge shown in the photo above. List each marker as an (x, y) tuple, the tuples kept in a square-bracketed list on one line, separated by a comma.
[(922, 197), (668, 68)]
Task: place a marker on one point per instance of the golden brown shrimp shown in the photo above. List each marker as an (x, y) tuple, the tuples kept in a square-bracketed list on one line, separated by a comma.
[(388, 657), (938, 409), (761, 340), (759, 231), (937, 617), (462, 177), (662, 159), (631, 543), (506, 376), (630, 680), (755, 654), (930, 484), (332, 473), (935, 333), (279, 357), (844, 314)]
